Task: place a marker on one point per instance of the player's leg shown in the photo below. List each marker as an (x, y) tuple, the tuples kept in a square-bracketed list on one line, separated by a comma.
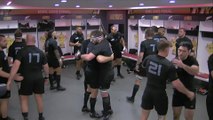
[(58, 79)]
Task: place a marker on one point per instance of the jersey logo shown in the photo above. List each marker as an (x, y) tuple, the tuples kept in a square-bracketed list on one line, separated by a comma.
[(77, 38), (113, 39)]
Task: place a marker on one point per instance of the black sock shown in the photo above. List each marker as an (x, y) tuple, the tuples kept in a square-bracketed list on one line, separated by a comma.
[(119, 69), (135, 90), (40, 115), (86, 98), (106, 104), (51, 79), (25, 115), (58, 80), (92, 104)]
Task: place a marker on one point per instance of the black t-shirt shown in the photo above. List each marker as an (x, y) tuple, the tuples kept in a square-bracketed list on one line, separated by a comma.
[(159, 70), (15, 48), (3, 66), (51, 46), (159, 37), (186, 78), (32, 60), (76, 37), (148, 47), (115, 41), (103, 48), (84, 46), (93, 64), (210, 66), (179, 40), (84, 49)]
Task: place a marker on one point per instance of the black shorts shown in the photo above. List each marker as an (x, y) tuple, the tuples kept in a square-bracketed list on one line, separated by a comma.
[(209, 106), (117, 54), (180, 100), (53, 63), (91, 76), (30, 86), (105, 78), (6, 95), (155, 99), (141, 72)]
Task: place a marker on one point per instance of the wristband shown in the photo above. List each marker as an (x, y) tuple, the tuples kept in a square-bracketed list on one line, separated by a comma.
[(46, 78)]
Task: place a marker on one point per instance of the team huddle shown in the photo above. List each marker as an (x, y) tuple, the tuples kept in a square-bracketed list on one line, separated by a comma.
[(31, 68)]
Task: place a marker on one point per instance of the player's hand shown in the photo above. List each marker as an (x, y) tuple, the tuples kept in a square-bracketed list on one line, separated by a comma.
[(60, 62), (78, 55), (178, 62), (18, 77), (137, 68), (191, 95)]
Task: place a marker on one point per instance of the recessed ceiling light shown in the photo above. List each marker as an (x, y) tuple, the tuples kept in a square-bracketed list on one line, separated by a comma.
[(110, 6), (56, 5), (63, 1), (172, 1), (8, 3), (78, 6), (141, 4)]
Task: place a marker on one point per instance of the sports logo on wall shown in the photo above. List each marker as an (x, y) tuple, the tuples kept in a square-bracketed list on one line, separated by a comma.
[(209, 48)]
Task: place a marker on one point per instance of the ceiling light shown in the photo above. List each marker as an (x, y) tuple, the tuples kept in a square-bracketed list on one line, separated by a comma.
[(110, 6), (172, 1), (56, 5), (8, 3), (78, 6), (63, 1), (141, 4)]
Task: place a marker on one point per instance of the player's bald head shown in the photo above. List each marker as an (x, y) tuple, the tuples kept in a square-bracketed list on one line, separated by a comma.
[(30, 39)]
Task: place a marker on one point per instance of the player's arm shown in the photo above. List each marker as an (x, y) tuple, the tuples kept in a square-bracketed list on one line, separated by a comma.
[(71, 43), (88, 57), (4, 74), (193, 70), (177, 84), (104, 59), (181, 88), (10, 54), (45, 66), (46, 70), (14, 70)]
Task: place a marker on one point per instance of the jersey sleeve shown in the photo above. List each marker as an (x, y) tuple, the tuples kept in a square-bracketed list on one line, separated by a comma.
[(72, 38), (194, 61), (210, 63), (142, 47), (20, 55), (1, 64), (172, 76), (11, 51)]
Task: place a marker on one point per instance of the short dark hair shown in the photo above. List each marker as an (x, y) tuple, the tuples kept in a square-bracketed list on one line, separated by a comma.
[(149, 32), (96, 33), (49, 34), (1, 36), (163, 44), (182, 29), (188, 45), (155, 29), (18, 33)]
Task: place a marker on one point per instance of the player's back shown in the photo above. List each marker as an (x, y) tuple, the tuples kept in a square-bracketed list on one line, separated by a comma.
[(158, 71)]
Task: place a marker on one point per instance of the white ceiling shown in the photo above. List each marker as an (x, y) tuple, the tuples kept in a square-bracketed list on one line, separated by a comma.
[(103, 4)]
